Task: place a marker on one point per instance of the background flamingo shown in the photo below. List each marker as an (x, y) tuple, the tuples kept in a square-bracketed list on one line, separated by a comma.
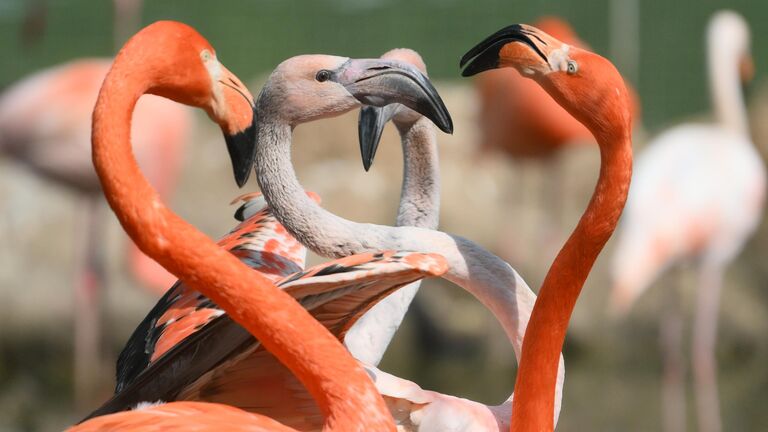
[(253, 301), (45, 122), (698, 194)]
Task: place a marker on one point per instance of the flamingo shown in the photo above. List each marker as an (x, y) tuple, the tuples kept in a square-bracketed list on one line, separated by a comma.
[(676, 214), (419, 206), (45, 124), (172, 59), (591, 89)]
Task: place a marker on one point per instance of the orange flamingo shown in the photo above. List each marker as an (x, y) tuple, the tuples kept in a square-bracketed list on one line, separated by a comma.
[(591, 89), (171, 59), (676, 214), (45, 124)]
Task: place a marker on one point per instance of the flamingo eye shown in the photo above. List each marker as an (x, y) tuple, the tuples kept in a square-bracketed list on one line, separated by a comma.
[(323, 75), (205, 55), (573, 67)]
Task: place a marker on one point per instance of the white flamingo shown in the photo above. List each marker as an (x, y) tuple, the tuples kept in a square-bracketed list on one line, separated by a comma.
[(698, 193)]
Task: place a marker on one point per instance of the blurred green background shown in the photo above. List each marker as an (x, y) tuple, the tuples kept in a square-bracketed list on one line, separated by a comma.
[(254, 36), (613, 368)]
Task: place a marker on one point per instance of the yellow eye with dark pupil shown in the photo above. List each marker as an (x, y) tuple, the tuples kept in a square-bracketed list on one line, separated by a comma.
[(323, 75)]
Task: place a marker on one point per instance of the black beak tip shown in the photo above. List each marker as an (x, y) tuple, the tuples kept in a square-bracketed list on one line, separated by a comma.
[(485, 55), (242, 152)]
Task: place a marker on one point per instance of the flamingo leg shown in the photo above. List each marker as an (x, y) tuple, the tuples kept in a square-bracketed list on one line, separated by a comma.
[(704, 336), (87, 306), (673, 408)]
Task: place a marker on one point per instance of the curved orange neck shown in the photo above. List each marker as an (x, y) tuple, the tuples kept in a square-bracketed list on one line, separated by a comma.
[(341, 388), (533, 403)]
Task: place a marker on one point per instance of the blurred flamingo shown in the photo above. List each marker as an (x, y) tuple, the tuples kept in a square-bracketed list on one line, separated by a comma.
[(593, 91), (698, 194), (340, 387), (45, 124)]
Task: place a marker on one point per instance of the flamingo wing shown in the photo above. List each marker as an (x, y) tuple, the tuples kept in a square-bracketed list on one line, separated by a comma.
[(259, 240), (215, 362), (337, 293)]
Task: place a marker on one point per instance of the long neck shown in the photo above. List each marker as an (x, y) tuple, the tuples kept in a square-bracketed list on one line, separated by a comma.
[(370, 336), (491, 280), (420, 195), (286, 329), (725, 87), (535, 386)]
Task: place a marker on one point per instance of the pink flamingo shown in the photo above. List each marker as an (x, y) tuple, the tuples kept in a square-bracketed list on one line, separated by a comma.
[(151, 61), (698, 193), (45, 124)]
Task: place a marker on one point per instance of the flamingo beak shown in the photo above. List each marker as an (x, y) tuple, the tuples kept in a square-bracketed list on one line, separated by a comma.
[(486, 55), (238, 125), (242, 152), (377, 82), (370, 125)]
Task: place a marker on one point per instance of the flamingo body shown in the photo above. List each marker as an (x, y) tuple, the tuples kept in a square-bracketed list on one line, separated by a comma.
[(698, 191)]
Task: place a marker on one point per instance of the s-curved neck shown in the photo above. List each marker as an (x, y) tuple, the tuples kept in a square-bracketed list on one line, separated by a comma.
[(340, 387), (535, 386), (725, 84)]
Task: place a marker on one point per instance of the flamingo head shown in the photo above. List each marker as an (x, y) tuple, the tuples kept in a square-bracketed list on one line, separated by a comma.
[(587, 85), (729, 36), (182, 66), (311, 87), (373, 119)]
